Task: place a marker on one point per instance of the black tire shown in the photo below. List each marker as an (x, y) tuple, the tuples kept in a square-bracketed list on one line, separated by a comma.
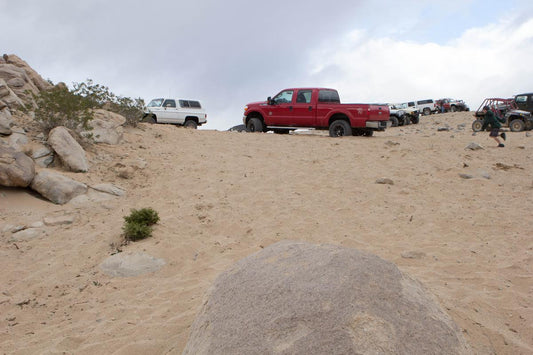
[(453, 108), (150, 119), (190, 124), (517, 125), (426, 111), (394, 121), (415, 120), (340, 128), (254, 125), (477, 125), (406, 120), (368, 133)]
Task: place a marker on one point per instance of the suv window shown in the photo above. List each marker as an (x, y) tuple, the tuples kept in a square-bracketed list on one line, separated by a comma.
[(328, 96), (190, 103), (155, 103), (169, 103), (422, 102), (195, 104)]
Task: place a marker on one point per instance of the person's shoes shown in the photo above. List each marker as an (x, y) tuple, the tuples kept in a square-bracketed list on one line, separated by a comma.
[(503, 135), (501, 145)]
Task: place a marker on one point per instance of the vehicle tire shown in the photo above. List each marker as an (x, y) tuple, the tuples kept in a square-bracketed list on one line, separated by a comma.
[(415, 120), (453, 108), (394, 121), (190, 124), (368, 133), (340, 128), (517, 125), (477, 125), (149, 119), (254, 125), (407, 120), (426, 111)]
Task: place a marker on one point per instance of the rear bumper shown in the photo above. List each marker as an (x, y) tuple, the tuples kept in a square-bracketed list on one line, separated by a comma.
[(378, 125)]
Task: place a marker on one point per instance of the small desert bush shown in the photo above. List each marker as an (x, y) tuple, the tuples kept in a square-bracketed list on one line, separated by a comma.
[(138, 225)]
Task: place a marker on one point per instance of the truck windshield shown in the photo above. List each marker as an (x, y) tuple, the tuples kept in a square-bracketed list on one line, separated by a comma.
[(155, 103)]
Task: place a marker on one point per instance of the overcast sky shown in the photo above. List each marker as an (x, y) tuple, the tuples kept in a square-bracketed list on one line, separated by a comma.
[(227, 53)]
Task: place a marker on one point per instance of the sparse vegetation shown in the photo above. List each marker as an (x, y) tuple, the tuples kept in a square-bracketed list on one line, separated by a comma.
[(73, 108), (138, 225)]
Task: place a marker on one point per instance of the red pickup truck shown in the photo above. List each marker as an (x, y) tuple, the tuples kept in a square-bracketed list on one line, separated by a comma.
[(318, 108)]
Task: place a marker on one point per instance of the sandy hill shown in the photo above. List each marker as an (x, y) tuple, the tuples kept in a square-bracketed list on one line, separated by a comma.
[(458, 220)]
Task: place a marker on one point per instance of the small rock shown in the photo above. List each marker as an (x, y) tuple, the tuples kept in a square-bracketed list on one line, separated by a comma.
[(413, 255), (57, 221), (384, 181), (474, 146), (466, 176)]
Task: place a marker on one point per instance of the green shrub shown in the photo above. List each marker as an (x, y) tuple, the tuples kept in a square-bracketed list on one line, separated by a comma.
[(60, 106), (136, 231), (138, 224)]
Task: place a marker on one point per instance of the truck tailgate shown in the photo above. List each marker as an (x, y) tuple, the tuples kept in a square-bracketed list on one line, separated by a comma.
[(378, 112)]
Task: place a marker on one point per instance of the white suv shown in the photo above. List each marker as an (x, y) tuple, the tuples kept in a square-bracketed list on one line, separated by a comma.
[(188, 113), (425, 107)]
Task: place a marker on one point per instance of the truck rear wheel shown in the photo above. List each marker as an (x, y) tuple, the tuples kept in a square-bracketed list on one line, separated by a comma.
[(340, 128), (517, 125), (394, 121), (254, 125)]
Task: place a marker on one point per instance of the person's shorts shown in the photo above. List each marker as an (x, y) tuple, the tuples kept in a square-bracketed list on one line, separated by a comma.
[(495, 132)]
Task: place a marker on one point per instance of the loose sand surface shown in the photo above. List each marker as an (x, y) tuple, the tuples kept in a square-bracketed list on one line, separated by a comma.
[(458, 220)]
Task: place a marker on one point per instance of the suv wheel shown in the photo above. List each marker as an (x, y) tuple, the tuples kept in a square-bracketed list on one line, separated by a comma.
[(427, 111), (394, 121), (453, 108), (190, 124)]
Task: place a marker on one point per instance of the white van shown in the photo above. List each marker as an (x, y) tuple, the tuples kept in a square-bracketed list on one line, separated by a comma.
[(188, 113)]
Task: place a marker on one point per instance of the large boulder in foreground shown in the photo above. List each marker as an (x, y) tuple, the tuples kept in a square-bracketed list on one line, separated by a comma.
[(298, 298), (16, 168), (57, 188), (68, 150)]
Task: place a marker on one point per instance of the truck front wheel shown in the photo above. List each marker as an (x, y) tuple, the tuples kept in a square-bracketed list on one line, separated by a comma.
[(477, 125), (254, 125), (340, 128)]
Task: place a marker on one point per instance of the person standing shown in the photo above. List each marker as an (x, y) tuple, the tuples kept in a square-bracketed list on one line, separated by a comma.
[(491, 120)]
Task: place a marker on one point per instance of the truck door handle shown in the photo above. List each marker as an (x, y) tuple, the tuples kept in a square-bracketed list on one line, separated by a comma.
[(290, 108), (310, 108)]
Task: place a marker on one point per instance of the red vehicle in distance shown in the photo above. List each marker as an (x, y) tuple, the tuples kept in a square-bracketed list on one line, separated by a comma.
[(318, 108)]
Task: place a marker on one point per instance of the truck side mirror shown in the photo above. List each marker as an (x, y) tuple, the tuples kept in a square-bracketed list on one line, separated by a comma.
[(269, 100)]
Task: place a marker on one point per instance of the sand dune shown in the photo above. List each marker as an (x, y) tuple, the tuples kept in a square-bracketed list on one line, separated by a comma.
[(224, 195)]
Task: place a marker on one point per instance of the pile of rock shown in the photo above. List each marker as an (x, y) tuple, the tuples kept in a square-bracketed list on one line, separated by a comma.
[(24, 159)]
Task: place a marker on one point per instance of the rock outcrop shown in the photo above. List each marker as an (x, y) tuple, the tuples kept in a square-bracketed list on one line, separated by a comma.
[(16, 168), (106, 127), (56, 187), (68, 150), (298, 298)]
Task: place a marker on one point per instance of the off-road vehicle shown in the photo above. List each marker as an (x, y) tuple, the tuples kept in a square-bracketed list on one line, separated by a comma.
[(517, 120), (402, 114)]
